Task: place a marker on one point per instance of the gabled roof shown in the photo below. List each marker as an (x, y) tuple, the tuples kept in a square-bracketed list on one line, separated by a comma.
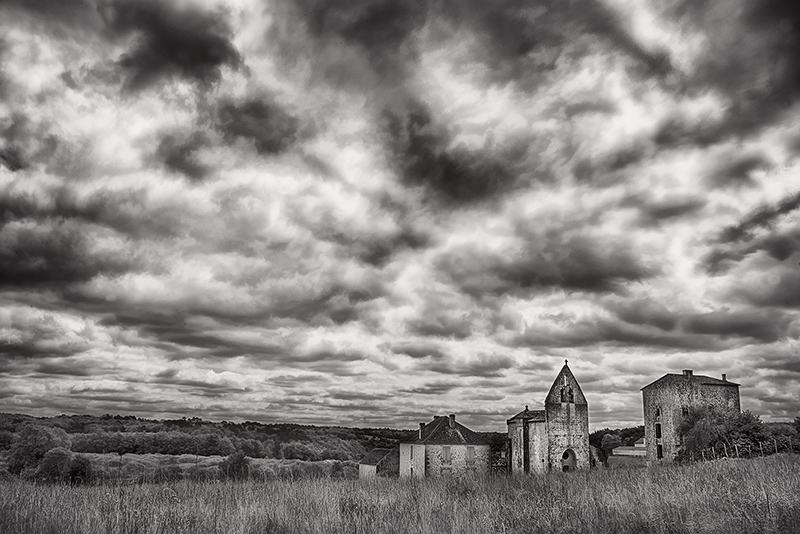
[(536, 416), (439, 432), (375, 456), (565, 375), (697, 379)]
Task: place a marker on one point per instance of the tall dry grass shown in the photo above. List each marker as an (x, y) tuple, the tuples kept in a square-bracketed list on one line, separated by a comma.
[(745, 496)]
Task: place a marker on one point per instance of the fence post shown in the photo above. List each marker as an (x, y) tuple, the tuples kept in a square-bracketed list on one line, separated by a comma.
[(761, 446), (704, 455), (775, 441), (726, 449), (736, 446)]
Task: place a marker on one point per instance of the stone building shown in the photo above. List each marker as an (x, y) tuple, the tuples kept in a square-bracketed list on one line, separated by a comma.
[(379, 463), (556, 438), (444, 447), (669, 398)]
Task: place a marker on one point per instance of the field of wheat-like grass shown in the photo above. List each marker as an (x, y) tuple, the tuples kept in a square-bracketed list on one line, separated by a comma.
[(737, 496)]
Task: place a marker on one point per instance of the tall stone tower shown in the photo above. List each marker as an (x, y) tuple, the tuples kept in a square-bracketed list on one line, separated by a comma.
[(553, 439), (567, 423)]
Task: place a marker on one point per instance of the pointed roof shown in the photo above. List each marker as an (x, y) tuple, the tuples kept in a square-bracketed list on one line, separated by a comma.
[(375, 456), (565, 376), (439, 432), (536, 416)]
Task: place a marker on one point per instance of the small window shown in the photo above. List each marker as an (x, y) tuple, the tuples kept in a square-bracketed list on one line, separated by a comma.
[(658, 413), (685, 411), (571, 395), (658, 430), (659, 451), (563, 395), (470, 455), (446, 458)]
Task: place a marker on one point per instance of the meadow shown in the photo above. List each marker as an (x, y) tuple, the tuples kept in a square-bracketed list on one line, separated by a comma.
[(727, 496)]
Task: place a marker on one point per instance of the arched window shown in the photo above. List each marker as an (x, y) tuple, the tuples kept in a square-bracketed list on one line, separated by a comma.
[(563, 395), (571, 395)]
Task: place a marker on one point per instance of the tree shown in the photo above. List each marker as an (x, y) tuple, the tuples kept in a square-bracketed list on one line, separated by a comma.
[(54, 466), (80, 469), (704, 428), (610, 442), (235, 467), (31, 444)]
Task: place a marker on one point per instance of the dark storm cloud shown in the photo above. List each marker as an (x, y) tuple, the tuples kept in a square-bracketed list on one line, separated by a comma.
[(66, 368), (417, 350), (763, 217), (455, 175), (739, 241), (271, 129), (171, 39), (549, 261), (510, 30), (379, 28), (81, 12), (658, 212), (179, 154), (645, 312), (483, 366), (765, 326), (782, 289), (23, 143), (736, 172), (52, 255), (432, 388), (750, 57), (118, 210)]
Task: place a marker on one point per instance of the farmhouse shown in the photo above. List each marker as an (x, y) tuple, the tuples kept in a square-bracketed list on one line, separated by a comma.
[(556, 438), (638, 449), (444, 447), (379, 463), (667, 400)]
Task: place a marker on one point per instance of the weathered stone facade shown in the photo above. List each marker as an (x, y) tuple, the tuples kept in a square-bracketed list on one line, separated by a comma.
[(556, 438), (669, 398), (445, 447)]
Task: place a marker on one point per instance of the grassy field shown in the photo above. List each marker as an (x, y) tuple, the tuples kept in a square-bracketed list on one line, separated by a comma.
[(736, 496)]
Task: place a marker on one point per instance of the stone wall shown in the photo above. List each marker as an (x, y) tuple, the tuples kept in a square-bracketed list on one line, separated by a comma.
[(435, 465), (670, 396), (568, 428)]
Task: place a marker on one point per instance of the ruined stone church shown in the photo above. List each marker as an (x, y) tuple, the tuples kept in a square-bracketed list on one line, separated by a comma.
[(556, 438)]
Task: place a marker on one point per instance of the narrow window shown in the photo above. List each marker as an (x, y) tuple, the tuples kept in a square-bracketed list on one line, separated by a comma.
[(685, 411), (658, 430), (563, 395), (571, 395), (658, 413), (659, 451), (470, 455), (446, 458)]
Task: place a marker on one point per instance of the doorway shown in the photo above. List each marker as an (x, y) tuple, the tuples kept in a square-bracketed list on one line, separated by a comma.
[(568, 460)]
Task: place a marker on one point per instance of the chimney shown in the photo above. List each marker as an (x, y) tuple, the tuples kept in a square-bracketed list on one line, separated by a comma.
[(452, 420), (421, 429), (724, 377), (687, 373)]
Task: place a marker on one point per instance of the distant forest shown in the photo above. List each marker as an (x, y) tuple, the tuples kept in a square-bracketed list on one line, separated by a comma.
[(131, 435)]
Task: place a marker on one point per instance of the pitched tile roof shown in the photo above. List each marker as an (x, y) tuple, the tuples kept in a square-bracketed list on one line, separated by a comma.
[(701, 379), (439, 432), (536, 416), (375, 456)]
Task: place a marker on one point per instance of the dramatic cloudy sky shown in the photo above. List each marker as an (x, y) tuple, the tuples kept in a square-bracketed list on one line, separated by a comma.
[(369, 212)]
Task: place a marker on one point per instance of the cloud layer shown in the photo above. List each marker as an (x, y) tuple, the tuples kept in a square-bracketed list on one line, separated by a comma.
[(366, 213)]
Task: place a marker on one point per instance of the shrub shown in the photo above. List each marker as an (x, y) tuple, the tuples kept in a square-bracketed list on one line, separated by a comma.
[(31, 444), (235, 467), (55, 466)]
